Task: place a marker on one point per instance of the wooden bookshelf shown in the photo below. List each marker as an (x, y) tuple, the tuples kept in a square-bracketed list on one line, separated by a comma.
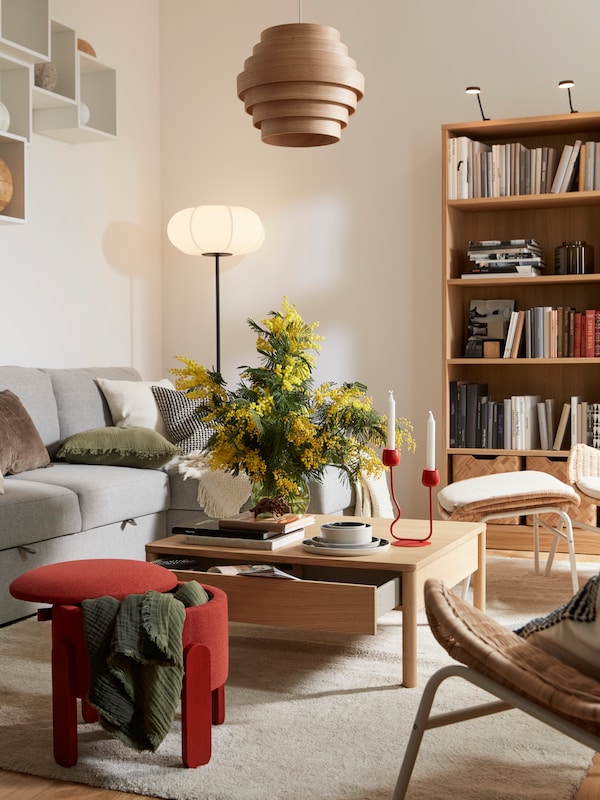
[(551, 219)]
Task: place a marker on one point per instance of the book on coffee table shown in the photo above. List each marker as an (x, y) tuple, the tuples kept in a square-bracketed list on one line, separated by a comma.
[(211, 527), (273, 543), (282, 524)]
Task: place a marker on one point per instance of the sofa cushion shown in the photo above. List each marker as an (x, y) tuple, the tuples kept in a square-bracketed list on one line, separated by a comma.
[(132, 404), (107, 494), (79, 400), (34, 511), (21, 447), (34, 389), (112, 446), (183, 425)]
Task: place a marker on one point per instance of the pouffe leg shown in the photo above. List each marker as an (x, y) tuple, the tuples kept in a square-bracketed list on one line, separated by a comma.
[(218, 705), (196, 707), (64, 692)]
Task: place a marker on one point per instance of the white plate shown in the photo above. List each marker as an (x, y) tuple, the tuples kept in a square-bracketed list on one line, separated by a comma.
[(319, 541), (376, 546)]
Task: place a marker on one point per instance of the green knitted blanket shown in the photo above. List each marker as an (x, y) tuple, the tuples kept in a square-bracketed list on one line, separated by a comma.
[(136, 661)]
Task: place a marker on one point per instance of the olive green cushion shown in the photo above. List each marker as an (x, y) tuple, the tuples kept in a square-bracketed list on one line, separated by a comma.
[(115, 446)]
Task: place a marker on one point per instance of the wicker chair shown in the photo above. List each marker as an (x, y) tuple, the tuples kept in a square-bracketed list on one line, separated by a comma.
[(519, 674), (583, 471)]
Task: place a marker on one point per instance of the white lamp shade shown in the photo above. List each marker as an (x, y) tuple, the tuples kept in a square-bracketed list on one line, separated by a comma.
[(208, 230)]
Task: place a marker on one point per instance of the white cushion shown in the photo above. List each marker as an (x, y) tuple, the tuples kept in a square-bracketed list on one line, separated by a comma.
[(590, 486), (501, 484), (1, 483), (572, 632), (132, 403)]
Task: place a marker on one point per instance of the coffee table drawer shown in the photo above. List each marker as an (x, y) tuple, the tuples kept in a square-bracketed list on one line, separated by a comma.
[(306, 604)]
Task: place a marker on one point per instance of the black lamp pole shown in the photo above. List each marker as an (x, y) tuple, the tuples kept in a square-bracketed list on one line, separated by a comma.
[(217, 256)]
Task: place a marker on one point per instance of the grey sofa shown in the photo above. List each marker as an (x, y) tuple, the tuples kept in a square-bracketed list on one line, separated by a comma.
[(72, 511)]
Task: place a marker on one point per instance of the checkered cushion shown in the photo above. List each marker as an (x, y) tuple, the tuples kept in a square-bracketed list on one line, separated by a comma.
[(184, 426)]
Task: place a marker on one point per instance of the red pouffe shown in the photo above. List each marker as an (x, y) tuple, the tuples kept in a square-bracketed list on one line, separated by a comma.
[(64, 586)]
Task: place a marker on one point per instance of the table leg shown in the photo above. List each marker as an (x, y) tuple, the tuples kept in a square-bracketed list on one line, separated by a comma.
[(479, 575), (409, 629)]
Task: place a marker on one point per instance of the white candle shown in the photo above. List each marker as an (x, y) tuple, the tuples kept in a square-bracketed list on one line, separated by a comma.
[(430, 465), (391, 432)]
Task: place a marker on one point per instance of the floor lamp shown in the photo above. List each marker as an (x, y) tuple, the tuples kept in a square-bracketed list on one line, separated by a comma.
[(216, 231)]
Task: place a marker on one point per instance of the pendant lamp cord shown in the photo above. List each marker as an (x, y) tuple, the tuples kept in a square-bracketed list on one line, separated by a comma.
[(299, 10)]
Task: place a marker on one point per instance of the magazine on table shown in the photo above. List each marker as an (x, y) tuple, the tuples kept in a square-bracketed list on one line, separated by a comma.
[(256, 570)]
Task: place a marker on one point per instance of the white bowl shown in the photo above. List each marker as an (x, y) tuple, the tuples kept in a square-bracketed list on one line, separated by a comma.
[(349, 533)]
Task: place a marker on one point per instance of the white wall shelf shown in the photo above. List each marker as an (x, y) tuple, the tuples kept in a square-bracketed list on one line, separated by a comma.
[(96, 87), (13, 150), (25, 29), (15, 93)]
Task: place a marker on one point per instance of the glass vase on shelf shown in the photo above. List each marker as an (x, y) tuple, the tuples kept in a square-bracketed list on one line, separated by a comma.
[(267, 489)]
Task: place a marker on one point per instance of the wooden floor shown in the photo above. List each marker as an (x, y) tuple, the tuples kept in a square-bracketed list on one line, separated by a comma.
[(15, 786)]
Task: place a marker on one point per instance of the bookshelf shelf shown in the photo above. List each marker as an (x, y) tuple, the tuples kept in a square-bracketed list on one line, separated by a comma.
[(551, 219)]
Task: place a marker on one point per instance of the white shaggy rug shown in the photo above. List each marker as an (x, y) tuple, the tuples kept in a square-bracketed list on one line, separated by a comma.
[(315, 716)]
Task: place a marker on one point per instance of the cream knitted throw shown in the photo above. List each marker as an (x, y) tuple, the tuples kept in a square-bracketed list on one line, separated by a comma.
[(373, 497), (220, 493)]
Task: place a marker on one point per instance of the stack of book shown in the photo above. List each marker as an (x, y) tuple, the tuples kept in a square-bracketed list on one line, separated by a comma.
[(247, 531), (498, 258)]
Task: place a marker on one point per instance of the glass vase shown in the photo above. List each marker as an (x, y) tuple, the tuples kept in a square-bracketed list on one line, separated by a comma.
[(298, 502)]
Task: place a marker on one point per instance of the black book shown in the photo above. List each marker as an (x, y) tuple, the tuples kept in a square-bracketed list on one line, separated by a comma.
[(210, 527)]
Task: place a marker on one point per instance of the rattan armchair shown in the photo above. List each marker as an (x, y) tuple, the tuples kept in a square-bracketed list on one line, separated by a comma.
[(519, 674), (583, 472)]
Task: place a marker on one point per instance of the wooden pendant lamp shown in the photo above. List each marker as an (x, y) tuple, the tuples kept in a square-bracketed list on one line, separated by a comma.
[(300, 86)]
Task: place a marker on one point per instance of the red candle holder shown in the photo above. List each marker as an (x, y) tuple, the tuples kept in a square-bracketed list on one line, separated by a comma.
[(430, 479)]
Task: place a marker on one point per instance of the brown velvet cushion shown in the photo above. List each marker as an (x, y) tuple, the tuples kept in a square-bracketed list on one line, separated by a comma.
[(21, 446)]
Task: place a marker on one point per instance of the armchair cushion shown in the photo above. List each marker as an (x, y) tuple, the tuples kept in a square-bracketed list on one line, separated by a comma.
[(571, 633)]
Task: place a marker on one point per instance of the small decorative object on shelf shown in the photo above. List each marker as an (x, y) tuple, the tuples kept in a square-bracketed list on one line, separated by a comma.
[(85, 47), (46, 76), (84, 113), (276, 426), (6, 185)]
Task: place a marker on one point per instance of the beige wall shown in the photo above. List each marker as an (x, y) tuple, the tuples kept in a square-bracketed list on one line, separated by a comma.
[(81, 281), (353, 230)]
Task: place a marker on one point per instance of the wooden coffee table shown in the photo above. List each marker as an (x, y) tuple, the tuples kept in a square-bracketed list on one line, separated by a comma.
[(343, 593)]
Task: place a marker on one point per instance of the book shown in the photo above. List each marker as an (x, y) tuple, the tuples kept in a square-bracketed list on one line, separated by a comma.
[(520, 272), (571, 172), (510, 336), (575, 412), (211, 527), (541, 412), (562, 426), (474, 392), (549, 403), (283, 524), (258, 570), (518, 335), (562, 168), (274, 543)]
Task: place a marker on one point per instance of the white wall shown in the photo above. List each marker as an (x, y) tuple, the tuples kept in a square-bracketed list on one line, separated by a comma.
[(81, 281), (353, 229)]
